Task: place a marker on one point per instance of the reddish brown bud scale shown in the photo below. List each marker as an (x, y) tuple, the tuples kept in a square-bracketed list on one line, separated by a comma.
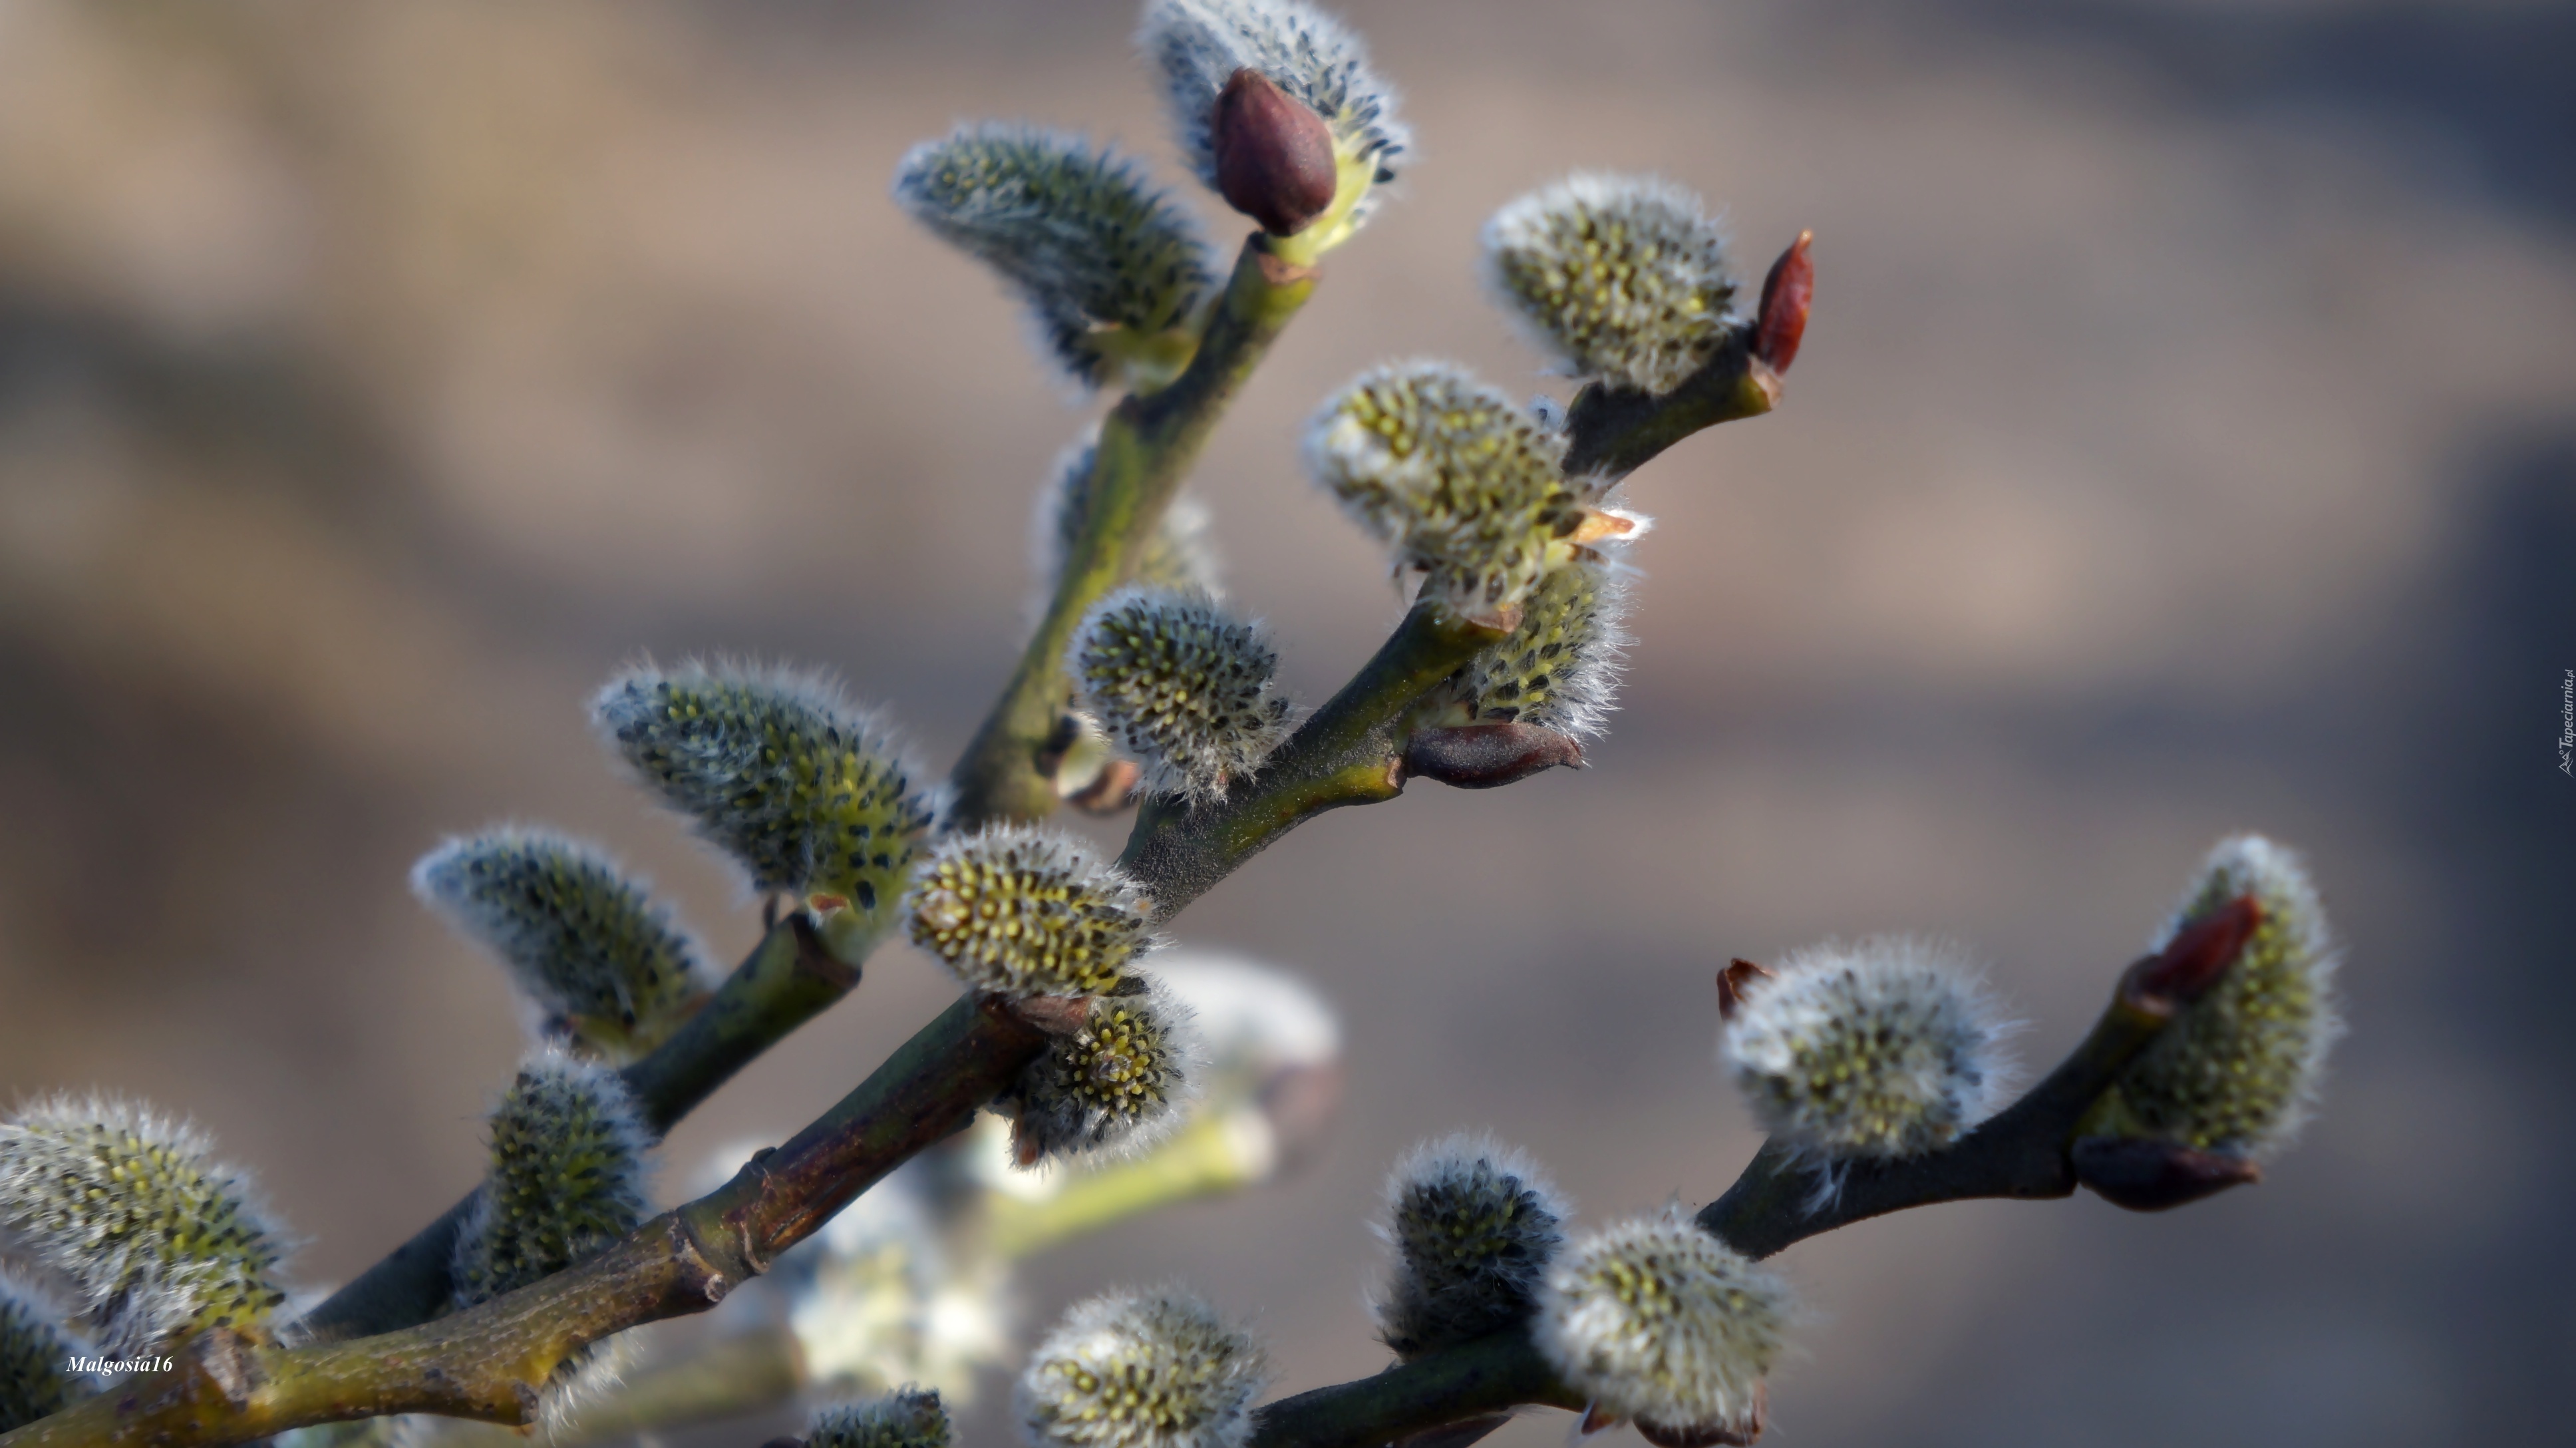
[(1732, 982), (1486, 756), (2201, 952), (1786, 294), (2155, 1176), (1274, 155)]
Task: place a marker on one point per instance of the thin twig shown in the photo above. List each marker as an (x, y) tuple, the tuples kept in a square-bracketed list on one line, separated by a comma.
[(1147, 444), (494, 1361), (787, 980)]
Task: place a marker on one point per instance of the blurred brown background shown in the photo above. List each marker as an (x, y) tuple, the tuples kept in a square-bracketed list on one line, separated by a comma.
[(2184, 444)]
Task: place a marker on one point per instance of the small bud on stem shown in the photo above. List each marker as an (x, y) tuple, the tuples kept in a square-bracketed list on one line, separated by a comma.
[(1786, 295), (1274, 155)]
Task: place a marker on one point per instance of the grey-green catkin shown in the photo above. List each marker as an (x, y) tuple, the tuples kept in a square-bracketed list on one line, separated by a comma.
[(909, 1417), (1657, 1320), (1473, 1225), (1116, 274), (1200, 44), (1115, 1086), (806, 794), (1560, 668), (1141, 1370), (1877, 1051), (605, 965), (564, 1180), (36, 1351), (130, 1210), (1623, 278), (1025, 911), (1456, 477), (1185, 688), (2240, 1068), (1179, 554)]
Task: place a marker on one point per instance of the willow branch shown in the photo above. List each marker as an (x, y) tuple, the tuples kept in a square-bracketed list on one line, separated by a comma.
[(1147, 444), (1617, 430), (1351, 751), (493, 1361), (1492, 1374), (787, 980), (1348, 752), (2025, 1153)]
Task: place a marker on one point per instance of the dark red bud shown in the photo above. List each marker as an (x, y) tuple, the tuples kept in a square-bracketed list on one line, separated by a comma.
[(1484, 756), (2156, 1176), (1733, 981), (1786, 293), (1274, 155), (2200, 953)]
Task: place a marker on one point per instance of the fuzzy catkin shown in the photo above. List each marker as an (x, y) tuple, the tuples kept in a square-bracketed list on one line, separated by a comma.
[(807, 795), (2240, 1068), (1455, 476), (1560, 669), (1624, 278), (36, 1349), (1026, 911), (909, 1417), (1106, 261), (1473, 1224), (1875, 1051), (130, 1208), (1140, 1370), (1200, 44), (1115, 1085), (1657, 1320), (604, 963), (1182, 686), (565, 1180)]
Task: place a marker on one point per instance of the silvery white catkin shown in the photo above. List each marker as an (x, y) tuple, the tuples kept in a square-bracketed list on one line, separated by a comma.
[(1182, 686), (906, 1418), (1141, 1370), (1114, 271), (565, 1180), (806, 794), (602, 962), (1878, 1050), (1624, 278), (1473, 1224), (2239, 1069), (1655, 1319), (130, 1209), (1028, 911), (1116, 1085)]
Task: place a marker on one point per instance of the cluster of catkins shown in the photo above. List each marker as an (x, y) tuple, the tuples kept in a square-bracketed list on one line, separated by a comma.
[(1887, 1049), (1871, 1053), (1624, 280)]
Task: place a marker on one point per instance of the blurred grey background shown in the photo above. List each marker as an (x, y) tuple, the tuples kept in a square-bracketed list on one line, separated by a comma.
[(2185, 443)]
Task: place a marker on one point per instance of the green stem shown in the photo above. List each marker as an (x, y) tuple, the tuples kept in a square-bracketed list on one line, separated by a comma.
[(1616, 430), (787, 980), (1147, 444), (1348, 752), (493, 1361)]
